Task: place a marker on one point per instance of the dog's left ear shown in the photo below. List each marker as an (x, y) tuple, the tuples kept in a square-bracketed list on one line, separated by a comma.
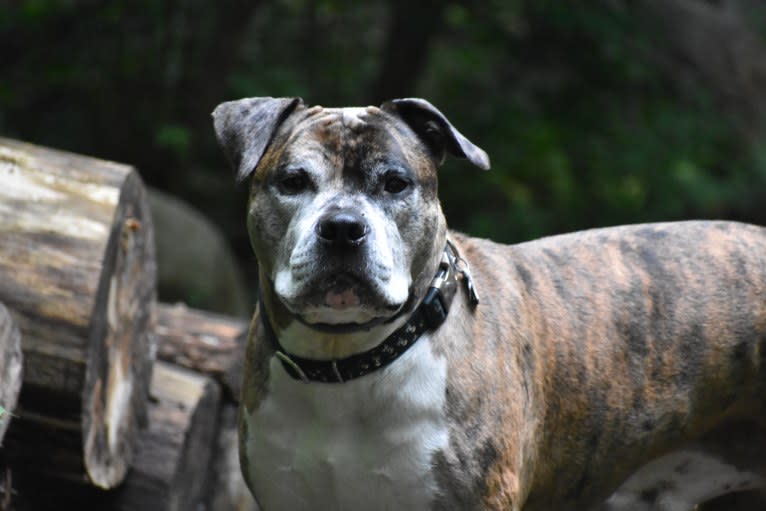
[(245, 128), (435, 130)]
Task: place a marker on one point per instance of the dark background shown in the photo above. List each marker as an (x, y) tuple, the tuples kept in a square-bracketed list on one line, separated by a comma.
[(594, 113)]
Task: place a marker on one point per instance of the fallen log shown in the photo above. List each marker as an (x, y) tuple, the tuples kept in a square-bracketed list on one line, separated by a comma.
[(172, 466), (173, 461), (10, 369), (77, 272), (203, 341)]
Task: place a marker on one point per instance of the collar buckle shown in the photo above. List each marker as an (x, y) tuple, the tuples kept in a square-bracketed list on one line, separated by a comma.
[(438, 299)]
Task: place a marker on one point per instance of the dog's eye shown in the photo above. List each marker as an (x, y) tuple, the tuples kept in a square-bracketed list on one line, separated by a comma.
[(294, 182), (395, 183)]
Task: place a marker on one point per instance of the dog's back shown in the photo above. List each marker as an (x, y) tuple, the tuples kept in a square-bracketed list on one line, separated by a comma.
[(647, 340)]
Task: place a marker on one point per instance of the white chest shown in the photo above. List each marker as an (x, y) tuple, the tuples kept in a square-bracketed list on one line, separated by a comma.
[(365, 444)]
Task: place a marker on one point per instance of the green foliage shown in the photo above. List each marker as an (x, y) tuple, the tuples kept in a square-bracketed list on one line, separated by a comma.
[(583, 126), (582, 131), (174, 137), (322, 51)]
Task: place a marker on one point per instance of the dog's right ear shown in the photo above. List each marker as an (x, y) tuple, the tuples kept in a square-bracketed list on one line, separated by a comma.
[(245, 128)]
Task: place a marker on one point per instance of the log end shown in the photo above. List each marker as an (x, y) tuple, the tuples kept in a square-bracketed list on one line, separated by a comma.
[(118, 372)]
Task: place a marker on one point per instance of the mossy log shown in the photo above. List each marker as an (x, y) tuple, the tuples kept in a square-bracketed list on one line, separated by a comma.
[(10, 369), (77, 272)]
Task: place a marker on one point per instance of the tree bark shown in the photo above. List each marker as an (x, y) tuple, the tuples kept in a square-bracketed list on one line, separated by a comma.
[(77, 272), (205, 342), (412, 26), (717, 45), (10, 369)]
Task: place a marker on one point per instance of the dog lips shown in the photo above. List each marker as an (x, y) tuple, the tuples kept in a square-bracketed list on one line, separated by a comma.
[(343, 300)]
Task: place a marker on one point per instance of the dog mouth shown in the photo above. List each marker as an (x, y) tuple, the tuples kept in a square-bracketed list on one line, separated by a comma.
[(342, 297), (342, 302)]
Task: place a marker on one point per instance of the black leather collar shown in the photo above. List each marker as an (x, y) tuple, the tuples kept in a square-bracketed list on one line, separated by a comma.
[(429, 315)]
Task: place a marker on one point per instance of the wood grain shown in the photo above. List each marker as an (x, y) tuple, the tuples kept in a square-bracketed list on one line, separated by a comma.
[(173, 463), (210, 343), (77, 272)]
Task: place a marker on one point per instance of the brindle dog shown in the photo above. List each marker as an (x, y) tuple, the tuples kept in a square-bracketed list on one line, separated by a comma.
[(622, 367)]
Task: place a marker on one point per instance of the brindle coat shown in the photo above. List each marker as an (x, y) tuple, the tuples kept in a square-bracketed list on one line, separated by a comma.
[(591, 353)]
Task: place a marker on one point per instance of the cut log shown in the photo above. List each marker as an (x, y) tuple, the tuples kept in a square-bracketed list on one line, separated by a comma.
[(172, 467), (202, 341), (77, 272), (10, 370)]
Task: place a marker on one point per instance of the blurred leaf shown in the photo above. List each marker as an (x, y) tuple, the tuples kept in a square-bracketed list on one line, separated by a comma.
[(174, 137)]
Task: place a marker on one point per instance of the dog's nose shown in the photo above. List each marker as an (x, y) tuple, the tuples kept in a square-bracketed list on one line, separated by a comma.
[(342, 228)]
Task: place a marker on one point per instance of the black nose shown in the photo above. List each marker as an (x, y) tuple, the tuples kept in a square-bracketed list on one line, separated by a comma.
[(342, 228)]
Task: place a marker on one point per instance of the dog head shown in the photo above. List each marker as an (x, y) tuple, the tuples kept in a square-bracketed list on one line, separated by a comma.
[(343, 212)]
